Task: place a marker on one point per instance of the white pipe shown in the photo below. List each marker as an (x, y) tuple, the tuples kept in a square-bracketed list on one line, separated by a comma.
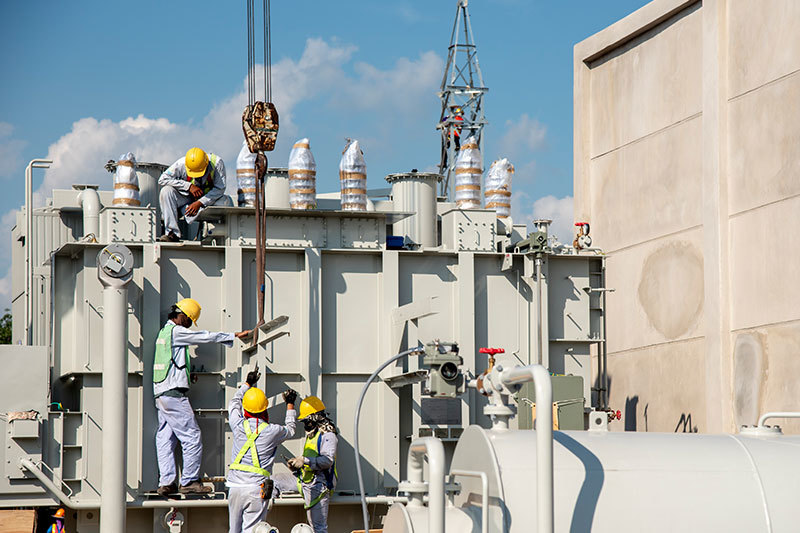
[(28, 465), (484, 494), (89, 201), (115, 405), (34, 163), (67, 501), (434, 449), (544, 437), (777, 414)]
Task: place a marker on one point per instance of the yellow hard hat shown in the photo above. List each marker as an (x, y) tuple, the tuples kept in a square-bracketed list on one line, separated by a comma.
[(255, 401), (309, 406), (196, 162), (190, 308)]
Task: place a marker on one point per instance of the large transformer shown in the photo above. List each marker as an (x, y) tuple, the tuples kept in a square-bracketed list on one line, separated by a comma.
[(344, 291)]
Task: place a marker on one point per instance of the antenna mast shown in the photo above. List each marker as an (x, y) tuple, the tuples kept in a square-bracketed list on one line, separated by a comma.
[(461, 94)]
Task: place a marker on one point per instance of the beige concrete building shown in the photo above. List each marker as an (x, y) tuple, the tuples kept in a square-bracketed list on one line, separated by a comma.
[(687, 164)]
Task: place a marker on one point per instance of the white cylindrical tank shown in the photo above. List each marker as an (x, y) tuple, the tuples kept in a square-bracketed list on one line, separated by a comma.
[(246, 177), (415, 192), (627, 481), (276, 188), (469, 168), (353, 178), (497, 187), (126, 182), (302, 176)]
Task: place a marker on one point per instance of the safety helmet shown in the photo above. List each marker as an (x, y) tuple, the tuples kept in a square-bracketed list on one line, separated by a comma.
[(190, 308), (255, 401), (196, 162), (309, 406), (59, 514)]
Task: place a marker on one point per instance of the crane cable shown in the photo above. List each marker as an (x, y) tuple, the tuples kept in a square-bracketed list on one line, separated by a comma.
[(261, 158)]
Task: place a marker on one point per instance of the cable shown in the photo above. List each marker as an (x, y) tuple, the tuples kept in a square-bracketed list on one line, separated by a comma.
[(364, 511)]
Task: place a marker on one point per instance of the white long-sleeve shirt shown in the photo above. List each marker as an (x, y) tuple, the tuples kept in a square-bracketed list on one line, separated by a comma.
[(266, 444), (175, 176), (182, 338)]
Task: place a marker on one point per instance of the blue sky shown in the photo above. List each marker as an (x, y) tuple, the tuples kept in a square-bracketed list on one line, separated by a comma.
[(84, 81)]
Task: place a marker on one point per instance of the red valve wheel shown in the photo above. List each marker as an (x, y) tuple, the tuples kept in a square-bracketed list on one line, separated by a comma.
[(492, 351), (619, 414)]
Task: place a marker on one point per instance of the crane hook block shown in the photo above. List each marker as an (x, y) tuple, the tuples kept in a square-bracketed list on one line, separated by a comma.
[(260, 126)]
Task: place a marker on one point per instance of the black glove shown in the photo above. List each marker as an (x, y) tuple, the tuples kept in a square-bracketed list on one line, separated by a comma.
[(290, 396), (253, 377)]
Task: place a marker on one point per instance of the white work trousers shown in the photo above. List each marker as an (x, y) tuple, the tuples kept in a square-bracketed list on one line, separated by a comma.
[(246, 508), (317, 516), (176, 423), (174, 201)]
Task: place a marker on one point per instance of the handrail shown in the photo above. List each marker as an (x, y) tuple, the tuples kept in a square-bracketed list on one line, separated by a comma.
[(777, 414), (484, 494)]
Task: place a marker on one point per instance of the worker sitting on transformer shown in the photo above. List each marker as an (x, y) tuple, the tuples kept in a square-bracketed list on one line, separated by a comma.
[(316, 468), (190, 184), (255, 442), (171, 377)]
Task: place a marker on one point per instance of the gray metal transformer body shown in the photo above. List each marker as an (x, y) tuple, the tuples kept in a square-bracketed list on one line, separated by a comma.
[(351, 303)]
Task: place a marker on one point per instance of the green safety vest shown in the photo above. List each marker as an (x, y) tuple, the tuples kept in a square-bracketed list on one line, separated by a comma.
[(311, 449), (208, 184), (251, 445), (164, 359)]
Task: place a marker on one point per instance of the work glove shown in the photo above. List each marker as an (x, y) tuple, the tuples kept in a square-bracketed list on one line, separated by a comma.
[(290, 396), (253, 377), (296, 463)]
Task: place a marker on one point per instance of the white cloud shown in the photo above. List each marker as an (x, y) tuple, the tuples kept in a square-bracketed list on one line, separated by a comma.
[(10, 150), (522, 136), (324, 70), (559, 210)]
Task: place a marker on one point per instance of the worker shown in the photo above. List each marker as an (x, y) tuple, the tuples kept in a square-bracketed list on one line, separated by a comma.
[(455, 129), (255, 442), (316, 468), (58, 527), (171, 377), (192, 183)]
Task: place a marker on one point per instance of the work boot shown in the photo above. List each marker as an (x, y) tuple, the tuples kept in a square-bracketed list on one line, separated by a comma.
[(195, 487), (169, 237), (166, 490)]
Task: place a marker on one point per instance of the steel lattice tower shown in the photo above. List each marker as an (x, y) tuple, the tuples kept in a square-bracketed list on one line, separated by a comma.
[(462, 86)]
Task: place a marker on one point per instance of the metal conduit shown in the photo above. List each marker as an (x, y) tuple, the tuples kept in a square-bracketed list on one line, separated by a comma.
[(34, 163), (484, 494), (777, 414)]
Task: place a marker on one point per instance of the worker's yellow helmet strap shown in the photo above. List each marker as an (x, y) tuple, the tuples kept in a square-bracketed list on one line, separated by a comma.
[(250, 445)]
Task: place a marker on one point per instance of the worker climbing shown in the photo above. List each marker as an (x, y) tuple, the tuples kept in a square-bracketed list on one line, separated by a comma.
[(58, 525), (171, 378), (315, 469), (190, 184), (255, 442)]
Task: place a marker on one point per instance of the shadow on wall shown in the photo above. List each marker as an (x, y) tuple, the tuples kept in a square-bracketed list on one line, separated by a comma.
[(630, 415)]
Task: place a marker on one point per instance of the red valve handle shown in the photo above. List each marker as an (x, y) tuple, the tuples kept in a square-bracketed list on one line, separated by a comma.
[(581, 223), (492, 351)]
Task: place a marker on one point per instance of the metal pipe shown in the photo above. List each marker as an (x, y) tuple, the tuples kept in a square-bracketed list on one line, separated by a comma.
[(434, 449), (89, 201), (28, 465), (114, 270), (544, 437), (34, 163), (777, 414), (484, 494), (539, 346), (67, 501)]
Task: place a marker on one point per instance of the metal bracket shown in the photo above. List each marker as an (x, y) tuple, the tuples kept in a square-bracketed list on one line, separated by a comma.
[(269, 332), (407, 378)]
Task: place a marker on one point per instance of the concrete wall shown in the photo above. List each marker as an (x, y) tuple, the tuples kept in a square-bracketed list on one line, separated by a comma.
[(687, 164)]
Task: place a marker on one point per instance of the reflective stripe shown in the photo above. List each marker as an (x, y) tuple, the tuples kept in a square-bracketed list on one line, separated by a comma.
[(255, 468), (316, 500)]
